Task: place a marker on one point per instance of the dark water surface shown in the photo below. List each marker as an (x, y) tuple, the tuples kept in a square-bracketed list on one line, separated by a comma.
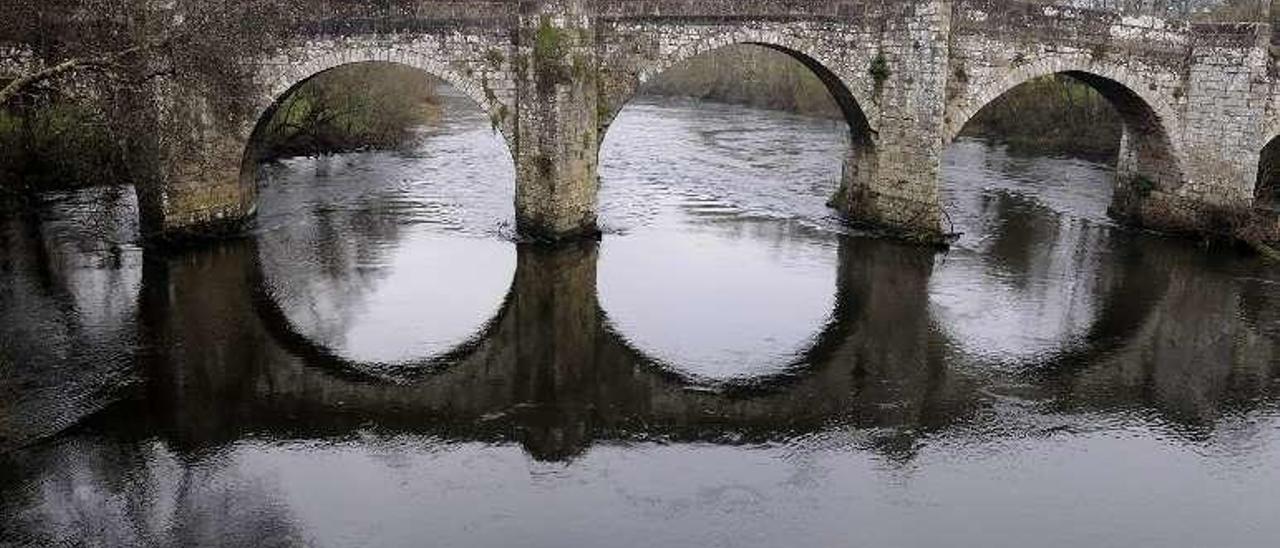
[(380, 365)]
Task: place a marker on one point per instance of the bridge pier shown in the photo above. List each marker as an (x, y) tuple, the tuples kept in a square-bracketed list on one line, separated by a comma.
[(194, 168), (1203, 179), (891, 175), (557, 144)]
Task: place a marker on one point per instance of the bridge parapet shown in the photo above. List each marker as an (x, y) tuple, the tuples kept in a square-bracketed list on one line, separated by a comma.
[(333, 18), (1051, 27), (758, 10)]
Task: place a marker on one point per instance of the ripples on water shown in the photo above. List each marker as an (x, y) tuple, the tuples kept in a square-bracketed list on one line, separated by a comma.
[(380, 364)]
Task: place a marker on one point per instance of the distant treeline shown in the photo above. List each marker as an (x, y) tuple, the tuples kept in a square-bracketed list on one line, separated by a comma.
[(1052, 115), (367, 106), (50, 142), (749, 75)]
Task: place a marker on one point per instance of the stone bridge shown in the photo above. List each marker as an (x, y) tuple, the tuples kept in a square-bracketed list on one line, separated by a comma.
[(1199, 101)]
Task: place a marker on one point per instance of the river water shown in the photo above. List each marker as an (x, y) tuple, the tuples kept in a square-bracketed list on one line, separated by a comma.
[(379, 364)]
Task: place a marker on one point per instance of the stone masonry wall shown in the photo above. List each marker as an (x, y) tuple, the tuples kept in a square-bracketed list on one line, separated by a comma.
[(557, 154), (1227, 91), (1226, 95)]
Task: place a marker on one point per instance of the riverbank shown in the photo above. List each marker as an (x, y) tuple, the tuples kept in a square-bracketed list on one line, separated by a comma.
[(51, 144)]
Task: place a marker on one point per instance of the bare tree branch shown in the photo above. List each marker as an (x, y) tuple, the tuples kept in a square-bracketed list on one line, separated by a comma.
[(24, 82)]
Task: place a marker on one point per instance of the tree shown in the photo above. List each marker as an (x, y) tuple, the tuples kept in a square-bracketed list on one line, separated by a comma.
[(129, 42), (144, 73)]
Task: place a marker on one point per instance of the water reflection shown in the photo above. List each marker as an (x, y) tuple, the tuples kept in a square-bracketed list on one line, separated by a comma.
[(69, 283), (1049, 360), (392, 259), (722, 255), (1038, 258), (253, 421)]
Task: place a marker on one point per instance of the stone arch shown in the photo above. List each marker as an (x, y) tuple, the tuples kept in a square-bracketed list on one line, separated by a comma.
[(1148, 149), (282, 77), (861, 160), (845, 94), (281, 82)]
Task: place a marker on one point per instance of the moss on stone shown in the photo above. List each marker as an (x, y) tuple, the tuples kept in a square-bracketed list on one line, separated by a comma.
[(549, 41), (489, 94), (582, 67), (549, 48)]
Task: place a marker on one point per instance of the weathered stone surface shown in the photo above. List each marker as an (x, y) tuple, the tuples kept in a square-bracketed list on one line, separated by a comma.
[(1199, 101)]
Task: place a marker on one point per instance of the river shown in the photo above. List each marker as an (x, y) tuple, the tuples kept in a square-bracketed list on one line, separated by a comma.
[(381, 364)]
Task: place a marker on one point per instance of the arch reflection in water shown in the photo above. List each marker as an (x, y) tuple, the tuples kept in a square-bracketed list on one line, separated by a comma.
[(721, 251), (720, 261), (389, 258), (1037, 256)]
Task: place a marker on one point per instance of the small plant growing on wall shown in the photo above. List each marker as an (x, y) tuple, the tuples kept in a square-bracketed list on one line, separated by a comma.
[(879, 70)]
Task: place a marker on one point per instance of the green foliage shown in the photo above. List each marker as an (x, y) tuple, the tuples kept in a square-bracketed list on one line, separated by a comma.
[(497, 118), (1143, 185), (548, 56), (548, 42)]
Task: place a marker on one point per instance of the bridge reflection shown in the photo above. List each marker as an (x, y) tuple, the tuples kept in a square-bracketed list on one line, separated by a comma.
[(229, 395), (550, 374)]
